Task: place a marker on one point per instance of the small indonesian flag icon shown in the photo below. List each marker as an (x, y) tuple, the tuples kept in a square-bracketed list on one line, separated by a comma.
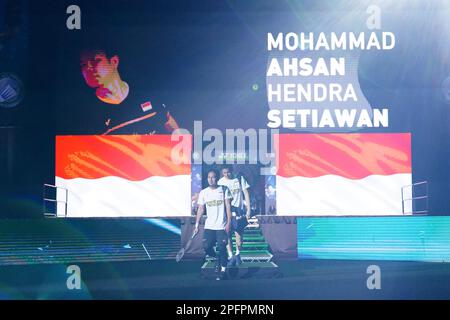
[(146, 106)]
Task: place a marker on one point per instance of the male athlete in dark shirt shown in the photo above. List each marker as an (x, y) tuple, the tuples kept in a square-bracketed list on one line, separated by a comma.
[(124, 110)]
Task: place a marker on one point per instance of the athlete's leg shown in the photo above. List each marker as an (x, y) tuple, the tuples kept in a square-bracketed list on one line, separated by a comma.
[(239, 235), (230, 247), (209, 239), (222, 240), (231, 259), (230, 240)]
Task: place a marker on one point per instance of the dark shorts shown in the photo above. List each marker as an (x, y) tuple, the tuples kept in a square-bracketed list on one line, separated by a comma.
[(239, 221), (210, 239)]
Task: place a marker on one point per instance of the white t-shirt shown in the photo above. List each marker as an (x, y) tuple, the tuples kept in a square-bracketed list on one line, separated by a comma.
[(214, 201), (236, 189)]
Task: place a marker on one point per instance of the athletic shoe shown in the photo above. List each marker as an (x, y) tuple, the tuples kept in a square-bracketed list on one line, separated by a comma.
[(238, 259), (231, 262), (222, 276), (211, 257)]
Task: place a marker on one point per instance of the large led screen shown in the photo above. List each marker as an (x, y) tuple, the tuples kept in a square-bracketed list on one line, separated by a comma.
[(123, 176), (344, 174)]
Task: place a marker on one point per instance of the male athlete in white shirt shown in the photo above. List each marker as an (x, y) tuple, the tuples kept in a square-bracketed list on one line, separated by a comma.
[(239, 190), (218, 220)]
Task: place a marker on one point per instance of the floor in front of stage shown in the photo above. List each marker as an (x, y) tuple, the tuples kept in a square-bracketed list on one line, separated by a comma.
[(166, 279)]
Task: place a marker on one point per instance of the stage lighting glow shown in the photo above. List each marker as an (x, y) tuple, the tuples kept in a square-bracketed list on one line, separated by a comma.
[(165, 225)]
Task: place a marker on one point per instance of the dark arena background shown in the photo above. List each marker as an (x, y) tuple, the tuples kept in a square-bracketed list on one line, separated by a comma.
[(334, 116)]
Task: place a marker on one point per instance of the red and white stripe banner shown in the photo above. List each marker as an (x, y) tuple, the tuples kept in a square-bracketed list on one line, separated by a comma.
[(126, 175), (342, 174)]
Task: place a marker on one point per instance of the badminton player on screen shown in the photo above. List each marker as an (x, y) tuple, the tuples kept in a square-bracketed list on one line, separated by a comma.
[(217, 200), (121, 107)]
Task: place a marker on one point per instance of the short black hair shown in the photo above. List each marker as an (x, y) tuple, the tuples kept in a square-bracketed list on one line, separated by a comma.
[(227, 166), (215, 172), (89, 54), (103, 40)]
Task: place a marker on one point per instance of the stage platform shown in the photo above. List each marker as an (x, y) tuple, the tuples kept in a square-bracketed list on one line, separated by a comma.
[(256, 269), (56, 241), (312, 279)]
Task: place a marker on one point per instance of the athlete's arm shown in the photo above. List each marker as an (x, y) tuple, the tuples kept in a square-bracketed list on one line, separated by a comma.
[(171, 124), (247, 202), (228, 210), (200, 210)]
